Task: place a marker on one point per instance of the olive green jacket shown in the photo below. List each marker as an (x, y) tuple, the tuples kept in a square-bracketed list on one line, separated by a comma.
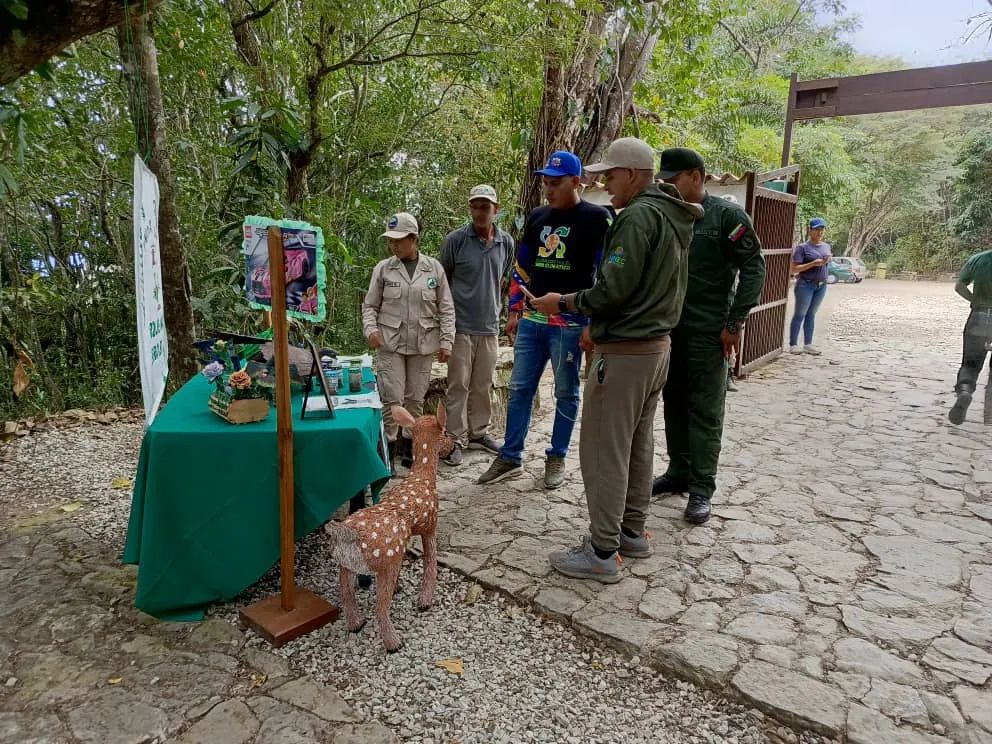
[(724, 249), (641, 280)]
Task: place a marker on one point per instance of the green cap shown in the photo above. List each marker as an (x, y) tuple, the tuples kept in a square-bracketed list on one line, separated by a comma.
[(674, 160)]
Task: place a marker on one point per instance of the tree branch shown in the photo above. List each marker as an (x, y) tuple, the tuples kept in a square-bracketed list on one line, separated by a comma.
[(740, 43), (254, 16), (51, 26)]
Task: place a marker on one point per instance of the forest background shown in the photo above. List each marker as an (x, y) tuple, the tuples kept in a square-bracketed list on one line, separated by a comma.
[(341, 113)]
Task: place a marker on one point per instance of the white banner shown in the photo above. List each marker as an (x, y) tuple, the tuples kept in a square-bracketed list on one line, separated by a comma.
[(153, 345)]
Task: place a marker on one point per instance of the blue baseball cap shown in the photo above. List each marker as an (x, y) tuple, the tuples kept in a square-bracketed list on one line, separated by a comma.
[(561, 163), (817, 222)]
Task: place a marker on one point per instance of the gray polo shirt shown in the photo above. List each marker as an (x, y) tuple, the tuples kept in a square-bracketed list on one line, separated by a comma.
[(475, 273)]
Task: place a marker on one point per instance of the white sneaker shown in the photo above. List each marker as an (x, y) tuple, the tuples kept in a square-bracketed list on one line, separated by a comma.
[(795, 349), (810, 349)]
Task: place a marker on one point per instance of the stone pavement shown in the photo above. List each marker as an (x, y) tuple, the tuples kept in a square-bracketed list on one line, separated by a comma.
[(79, 665), (845, 581)]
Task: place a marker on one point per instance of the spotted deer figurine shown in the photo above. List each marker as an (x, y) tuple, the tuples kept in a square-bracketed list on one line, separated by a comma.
[(373, 540)]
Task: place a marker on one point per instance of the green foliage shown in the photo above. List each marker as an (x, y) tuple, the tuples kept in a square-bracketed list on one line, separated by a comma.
[(973, 194), (16, 8), (358, 110)]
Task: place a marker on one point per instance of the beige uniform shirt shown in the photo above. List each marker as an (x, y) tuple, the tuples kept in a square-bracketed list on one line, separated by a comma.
[(414, 316)]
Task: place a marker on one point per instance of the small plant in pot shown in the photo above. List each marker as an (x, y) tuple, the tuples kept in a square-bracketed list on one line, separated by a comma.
[(238, 398)]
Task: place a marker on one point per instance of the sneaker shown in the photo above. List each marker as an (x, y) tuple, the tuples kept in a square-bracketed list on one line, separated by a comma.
[(486, 442), (812, 350), (666, 484), (455, 458), (697, 510), (500, 470), (554, 471), (731, 385), (795, 349), (581, 562), (960, 408), (635, 547)]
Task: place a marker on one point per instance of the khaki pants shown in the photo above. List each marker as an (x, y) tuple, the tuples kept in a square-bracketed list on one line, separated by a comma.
[(616, 444), (470, 381), (403, 380)]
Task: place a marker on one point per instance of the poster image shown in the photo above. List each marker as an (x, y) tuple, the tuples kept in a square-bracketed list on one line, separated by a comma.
[(303, 249)]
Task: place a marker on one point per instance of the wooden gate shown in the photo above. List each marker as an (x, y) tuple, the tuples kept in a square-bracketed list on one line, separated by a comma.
[(774, 215)]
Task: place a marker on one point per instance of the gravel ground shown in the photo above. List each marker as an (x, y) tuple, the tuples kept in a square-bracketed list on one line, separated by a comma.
[(525, 678), (60, 466)]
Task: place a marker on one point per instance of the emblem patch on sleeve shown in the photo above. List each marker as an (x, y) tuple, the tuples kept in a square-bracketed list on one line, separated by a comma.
[(616, 256), (737, 233)]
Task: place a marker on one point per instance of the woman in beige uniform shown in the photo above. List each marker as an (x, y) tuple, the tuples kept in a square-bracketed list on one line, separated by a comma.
[(408, 316)]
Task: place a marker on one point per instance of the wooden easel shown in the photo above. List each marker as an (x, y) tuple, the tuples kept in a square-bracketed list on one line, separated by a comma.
[(294, 611)]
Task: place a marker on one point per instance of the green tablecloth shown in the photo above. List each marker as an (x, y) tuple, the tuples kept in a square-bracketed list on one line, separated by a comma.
[(205, 510)]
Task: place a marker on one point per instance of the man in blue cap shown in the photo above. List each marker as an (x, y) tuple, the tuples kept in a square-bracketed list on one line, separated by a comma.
[(559, 251)]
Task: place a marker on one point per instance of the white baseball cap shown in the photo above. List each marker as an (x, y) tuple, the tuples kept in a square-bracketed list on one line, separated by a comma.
[(483, 191), (400, 225), (626, 152)]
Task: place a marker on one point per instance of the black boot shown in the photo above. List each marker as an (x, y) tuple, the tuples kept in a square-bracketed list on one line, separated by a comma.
[(665, 484), (697, 510), (960, 408), (406, 452)]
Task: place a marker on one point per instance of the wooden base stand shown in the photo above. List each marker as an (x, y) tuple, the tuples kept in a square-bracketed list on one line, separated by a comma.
[(278, 626)]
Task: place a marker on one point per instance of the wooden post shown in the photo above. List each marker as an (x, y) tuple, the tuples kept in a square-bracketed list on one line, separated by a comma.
[(789, 113), (284, 418), (293, 612)]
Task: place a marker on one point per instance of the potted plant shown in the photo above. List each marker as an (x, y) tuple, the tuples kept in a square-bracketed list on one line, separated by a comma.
[(238, 398)]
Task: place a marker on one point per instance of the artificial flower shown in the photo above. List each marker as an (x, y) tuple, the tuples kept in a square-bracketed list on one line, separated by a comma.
[(213, 370), (239, 380)]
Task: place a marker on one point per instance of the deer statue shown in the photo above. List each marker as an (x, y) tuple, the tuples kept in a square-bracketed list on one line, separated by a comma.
[(373, 540)]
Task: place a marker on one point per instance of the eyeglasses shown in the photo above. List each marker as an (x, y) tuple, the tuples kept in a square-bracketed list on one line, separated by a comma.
[(611, 173)]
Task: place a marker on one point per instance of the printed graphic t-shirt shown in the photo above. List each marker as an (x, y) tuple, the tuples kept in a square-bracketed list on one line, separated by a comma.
[(559, 252)]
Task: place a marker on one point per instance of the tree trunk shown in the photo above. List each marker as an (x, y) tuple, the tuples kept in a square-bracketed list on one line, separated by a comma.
[(296, 181), (51, 26), (245, 39), (584, 105), (140, 60), (614, 96), (547, 134)]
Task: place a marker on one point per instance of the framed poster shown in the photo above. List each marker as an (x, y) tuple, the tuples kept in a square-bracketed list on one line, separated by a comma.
[(306, 278)]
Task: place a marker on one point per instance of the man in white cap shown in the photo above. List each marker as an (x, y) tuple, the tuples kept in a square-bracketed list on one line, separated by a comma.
[(476, 258), (634, 305)]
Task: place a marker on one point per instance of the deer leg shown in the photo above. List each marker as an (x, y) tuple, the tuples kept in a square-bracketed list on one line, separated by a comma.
[(430, 571), (385, 585), (349, 603)]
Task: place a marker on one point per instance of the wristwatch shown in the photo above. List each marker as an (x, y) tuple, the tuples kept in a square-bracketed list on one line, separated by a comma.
[(734, 327), (562, 305)]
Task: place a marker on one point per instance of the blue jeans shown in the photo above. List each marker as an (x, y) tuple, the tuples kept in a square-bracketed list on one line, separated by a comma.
[(535, 344), (808, 299)]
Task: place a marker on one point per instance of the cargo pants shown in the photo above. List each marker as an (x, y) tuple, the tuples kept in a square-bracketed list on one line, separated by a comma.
[(694, 398)]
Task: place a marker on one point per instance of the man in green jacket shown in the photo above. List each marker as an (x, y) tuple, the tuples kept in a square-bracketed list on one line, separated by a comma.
[(633, 307), (724, 248)]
